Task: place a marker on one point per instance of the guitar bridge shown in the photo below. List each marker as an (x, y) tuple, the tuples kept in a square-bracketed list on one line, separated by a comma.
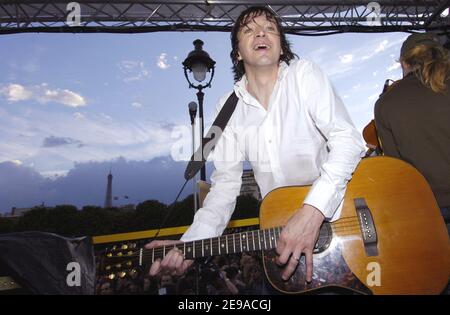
[(369, 233)]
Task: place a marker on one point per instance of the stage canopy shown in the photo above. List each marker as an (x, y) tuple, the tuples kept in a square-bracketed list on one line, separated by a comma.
[(309, 17)]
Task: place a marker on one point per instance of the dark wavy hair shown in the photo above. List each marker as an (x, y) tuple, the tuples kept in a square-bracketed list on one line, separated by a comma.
[(244, 18)]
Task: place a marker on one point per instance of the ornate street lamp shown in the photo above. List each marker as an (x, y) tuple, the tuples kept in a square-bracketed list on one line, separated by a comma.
[(199, 63)]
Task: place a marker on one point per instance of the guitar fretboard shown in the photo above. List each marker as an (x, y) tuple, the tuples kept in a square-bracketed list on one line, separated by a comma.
[(222, 245)]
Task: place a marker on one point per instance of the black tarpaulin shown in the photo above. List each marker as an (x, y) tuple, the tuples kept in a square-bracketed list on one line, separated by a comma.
[(39, 262)]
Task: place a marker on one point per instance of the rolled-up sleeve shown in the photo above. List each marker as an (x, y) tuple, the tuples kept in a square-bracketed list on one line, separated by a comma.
[(343, 141), (226, 179)]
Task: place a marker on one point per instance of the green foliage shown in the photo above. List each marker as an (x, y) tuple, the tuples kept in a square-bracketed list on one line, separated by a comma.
[(68, 221), (7, 225)]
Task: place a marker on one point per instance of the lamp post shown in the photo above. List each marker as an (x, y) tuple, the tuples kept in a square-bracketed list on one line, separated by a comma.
[(199, 63)]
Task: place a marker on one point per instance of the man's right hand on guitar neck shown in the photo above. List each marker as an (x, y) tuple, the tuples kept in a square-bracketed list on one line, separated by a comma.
[(173, 263)]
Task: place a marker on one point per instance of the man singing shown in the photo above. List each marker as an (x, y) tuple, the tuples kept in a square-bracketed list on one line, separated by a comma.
[(293, 129)]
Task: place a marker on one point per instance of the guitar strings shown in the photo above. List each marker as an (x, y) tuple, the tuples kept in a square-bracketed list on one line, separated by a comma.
[(159, 251), (347, 223), (337, 227)]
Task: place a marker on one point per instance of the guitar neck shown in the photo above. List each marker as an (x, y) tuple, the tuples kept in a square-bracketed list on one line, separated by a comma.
[(222, 245), (248, 241)]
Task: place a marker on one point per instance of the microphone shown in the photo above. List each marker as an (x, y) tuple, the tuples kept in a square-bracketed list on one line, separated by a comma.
[(192, 111), (193, 166)]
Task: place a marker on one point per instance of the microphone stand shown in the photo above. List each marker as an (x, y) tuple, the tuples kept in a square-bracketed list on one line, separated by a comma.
[(192, 113), (194, 180)]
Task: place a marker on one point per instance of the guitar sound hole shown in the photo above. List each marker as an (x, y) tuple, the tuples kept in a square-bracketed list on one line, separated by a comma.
[(324, 239)]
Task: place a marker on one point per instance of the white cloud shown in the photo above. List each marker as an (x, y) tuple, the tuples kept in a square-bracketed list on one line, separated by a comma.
[(54, 174), (103, 138), (319, 55), (379, 48), (382, 46), (79, 115), (346, 58), (65, 97), (43, 94), (393, 67), (353, 58), (105, 116), (162, 61), (373, 97), (17, 162), (16, 92), (133, 70), (136, 105)]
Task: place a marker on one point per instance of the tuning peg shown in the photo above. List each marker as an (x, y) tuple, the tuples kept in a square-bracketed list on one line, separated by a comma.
[(124, 246), (122, 274), (111, 276), (109, 255)]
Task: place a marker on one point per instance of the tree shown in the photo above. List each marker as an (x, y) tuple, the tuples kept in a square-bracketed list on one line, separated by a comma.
[(149, 215), (7, 225), (182, 213)]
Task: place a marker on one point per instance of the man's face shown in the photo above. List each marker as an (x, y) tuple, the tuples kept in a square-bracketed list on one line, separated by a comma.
[(259, 42)]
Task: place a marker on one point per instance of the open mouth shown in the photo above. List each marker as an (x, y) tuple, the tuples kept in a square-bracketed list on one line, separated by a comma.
[(261, 47)]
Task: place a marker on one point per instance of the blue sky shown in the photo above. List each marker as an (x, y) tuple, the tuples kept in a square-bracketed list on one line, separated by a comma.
[(75, 101)]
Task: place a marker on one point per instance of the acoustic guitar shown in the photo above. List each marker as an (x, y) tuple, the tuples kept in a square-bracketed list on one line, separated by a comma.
[(390, 237)]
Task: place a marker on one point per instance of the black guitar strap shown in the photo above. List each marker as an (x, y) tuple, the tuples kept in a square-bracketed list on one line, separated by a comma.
[(198, 159)]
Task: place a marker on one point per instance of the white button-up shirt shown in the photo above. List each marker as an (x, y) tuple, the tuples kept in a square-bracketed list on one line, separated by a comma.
[(305, 137)]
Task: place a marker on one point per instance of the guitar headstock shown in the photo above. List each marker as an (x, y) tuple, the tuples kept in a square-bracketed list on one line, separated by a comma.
[(119, 260)]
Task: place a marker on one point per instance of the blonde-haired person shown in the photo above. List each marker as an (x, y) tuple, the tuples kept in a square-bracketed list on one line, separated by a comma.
[(413, 117)]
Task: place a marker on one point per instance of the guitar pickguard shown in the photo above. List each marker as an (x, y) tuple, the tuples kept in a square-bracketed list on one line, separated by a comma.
[(330, 270)]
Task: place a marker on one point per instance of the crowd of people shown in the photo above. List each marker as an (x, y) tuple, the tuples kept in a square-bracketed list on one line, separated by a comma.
[(232, 274)]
